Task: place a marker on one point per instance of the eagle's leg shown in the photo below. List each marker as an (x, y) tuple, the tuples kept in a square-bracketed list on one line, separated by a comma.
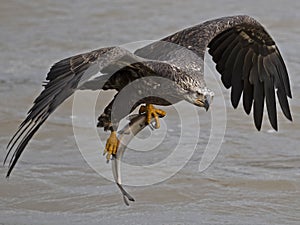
[(112, 143), (151, 111)]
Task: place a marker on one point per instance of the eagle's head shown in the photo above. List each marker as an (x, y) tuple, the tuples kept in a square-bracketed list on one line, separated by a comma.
[(192, 87), (201, 97), (196, 92)]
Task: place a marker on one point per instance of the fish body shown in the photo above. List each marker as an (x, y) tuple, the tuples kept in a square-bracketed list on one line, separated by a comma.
[(136, 124)]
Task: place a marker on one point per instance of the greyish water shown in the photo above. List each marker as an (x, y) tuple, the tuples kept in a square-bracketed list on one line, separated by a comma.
[(254, 180)]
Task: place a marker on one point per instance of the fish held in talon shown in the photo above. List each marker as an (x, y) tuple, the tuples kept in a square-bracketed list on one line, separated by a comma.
[(136, 124)]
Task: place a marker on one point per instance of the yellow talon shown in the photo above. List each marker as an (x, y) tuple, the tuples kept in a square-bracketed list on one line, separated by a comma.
[(151, 111), (111, 146)]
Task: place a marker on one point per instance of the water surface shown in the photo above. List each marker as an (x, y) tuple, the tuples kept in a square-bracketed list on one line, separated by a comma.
[(254, 180)]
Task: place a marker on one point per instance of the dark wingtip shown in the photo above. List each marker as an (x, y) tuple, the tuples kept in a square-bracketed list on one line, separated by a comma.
[(10, 170), (289, 116), (257, 123), (258, 119), (234, 104), (8, 174), (258, 127), (275, 127), (248, 112), (273, 121)]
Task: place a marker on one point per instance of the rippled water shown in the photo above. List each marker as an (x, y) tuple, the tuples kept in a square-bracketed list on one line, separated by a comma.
[(254, 180)]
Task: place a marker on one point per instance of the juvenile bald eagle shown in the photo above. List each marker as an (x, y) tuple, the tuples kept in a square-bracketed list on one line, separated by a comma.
[(245, 55)]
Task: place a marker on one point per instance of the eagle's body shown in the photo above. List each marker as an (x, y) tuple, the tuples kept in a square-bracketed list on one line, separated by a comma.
[(169, 71)]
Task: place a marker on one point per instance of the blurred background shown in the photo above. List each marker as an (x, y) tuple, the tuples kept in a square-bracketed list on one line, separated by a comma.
[(254, 180)]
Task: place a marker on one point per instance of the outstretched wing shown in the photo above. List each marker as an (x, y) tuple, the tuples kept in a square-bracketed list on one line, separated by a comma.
[(62, 80), (248, 60)]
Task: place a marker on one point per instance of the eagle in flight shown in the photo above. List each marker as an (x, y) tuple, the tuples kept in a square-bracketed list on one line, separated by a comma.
[(246, 57)]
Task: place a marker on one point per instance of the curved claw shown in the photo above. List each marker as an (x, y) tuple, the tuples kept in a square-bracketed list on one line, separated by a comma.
[(151, 111), (111, 146)]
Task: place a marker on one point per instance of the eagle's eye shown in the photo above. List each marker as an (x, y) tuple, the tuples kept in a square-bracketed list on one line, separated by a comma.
[(197, 95)]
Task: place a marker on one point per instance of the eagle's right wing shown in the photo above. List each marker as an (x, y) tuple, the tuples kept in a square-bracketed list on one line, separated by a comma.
[(63, 79)]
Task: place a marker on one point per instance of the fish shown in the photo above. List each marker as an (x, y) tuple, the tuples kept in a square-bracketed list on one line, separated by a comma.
[(137, 123)]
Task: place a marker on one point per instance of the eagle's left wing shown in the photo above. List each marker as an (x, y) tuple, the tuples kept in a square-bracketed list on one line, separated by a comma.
[(247, 59)]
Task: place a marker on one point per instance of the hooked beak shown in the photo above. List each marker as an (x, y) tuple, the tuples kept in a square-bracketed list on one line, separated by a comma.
[(204, 102)]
